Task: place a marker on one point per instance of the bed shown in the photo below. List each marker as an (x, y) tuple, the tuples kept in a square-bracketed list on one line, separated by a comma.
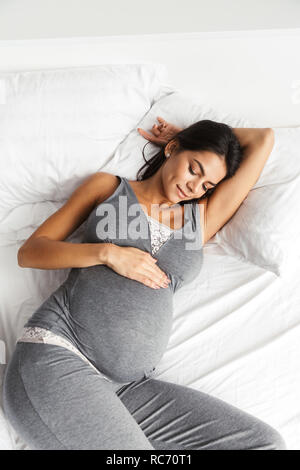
[(236, 327)]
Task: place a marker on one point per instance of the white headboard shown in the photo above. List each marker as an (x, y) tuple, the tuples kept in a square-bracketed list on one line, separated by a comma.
[(253, 74)]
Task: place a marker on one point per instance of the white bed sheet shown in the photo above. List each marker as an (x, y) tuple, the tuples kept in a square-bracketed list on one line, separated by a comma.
[(235, 334)]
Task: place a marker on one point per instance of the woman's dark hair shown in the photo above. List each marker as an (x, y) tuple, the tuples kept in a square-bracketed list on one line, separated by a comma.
[(208, 135)]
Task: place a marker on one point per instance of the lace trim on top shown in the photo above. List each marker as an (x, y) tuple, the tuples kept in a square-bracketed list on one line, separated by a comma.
[(160, 233)]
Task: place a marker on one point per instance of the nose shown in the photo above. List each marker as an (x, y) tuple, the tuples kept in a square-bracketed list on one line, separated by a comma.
[(195, 186)]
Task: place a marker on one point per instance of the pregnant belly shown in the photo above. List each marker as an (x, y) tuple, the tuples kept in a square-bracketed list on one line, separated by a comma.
[(121, 325)]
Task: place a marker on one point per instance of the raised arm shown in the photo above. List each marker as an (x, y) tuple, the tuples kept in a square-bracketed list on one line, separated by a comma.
[(222, 204)]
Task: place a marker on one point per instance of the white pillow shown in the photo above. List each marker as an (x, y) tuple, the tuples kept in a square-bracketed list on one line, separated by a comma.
[(266, 227), (58, 126)]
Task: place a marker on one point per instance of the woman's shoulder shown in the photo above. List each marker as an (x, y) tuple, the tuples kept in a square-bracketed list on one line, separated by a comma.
[(107, 185)]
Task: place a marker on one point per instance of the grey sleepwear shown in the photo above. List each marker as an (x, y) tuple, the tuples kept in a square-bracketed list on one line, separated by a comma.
[(56, 400)]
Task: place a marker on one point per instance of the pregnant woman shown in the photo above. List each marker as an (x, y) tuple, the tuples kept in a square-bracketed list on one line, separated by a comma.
[(82, 373)]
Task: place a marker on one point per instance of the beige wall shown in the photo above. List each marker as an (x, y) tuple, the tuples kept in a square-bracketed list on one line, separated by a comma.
[(28, 19)]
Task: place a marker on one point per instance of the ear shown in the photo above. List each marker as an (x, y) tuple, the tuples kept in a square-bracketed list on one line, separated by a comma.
[(171, 146)]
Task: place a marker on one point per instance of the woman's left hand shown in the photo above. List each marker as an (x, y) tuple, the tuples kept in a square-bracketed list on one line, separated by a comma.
[(162, 133)]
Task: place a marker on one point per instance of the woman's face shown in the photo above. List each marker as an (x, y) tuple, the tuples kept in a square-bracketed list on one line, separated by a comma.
[(184, 170)]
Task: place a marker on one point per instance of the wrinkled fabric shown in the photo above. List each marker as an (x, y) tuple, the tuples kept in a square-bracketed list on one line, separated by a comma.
[(56, 401)]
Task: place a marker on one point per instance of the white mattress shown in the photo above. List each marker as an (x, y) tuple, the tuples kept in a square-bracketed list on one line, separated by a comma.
[(236, 327)]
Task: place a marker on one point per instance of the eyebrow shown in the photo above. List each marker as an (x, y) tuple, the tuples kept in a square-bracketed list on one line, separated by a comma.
[(202, 171)]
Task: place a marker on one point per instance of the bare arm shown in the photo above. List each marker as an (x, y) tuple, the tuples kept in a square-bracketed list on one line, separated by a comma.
[(230, 193), (45, 248), (44, 253)]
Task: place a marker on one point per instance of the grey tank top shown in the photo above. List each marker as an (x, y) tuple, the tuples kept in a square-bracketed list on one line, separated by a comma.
[(120, 325)]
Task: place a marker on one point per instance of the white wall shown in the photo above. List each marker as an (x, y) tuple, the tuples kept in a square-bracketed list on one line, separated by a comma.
[(29, 19)]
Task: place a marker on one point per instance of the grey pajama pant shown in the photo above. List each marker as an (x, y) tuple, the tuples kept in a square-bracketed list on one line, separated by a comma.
[(56, 401)]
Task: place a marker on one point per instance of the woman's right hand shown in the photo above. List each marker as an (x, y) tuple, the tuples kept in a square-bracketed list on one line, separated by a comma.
[(136, 264)]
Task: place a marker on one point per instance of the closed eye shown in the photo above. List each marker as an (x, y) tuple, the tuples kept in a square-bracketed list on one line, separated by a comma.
[(193, 173)]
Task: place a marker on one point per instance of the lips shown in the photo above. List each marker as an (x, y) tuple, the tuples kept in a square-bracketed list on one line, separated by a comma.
[(181, 192)]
